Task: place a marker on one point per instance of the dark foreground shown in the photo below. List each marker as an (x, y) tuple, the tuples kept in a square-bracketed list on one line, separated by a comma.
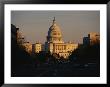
[(58, 70), (84, 61)]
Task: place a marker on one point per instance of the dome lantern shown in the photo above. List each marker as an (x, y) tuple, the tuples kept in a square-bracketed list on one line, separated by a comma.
[(54, 20)]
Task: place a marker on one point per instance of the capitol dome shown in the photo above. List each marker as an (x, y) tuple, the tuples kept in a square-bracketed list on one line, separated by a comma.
[(54, 33)]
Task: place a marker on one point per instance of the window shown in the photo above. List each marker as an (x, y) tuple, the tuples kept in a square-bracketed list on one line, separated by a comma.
[(54, 33)]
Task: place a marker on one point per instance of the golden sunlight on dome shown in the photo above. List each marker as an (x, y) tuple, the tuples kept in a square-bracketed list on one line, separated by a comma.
[(54, 33)]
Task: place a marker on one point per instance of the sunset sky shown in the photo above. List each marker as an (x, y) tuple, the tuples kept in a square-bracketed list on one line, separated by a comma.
[(74, 25)]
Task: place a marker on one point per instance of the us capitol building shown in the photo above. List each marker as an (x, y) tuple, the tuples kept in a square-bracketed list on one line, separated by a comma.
[(55, 44)]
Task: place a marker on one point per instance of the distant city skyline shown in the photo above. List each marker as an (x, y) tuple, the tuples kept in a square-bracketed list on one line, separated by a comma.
[(74, 25)]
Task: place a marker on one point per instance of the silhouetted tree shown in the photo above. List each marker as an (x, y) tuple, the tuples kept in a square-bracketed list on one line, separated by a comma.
[(86, 53)]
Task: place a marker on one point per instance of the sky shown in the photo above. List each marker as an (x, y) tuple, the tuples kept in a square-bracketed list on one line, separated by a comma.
[(74, 25)]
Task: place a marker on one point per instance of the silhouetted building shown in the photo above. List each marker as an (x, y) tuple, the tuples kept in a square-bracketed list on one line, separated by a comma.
[(14, 32), (86, 41), (91, 39), (94, 38), (19, 39)]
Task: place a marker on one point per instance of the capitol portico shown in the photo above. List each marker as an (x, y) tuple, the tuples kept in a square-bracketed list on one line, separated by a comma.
[(55, 43)]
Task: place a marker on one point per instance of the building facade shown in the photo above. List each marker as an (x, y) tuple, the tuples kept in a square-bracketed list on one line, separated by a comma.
[(37, 47), (94, 38), (55, 43), (91, 39), (27, 46)]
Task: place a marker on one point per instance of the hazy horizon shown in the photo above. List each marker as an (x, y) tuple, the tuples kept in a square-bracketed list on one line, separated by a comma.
[(74, 25)]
